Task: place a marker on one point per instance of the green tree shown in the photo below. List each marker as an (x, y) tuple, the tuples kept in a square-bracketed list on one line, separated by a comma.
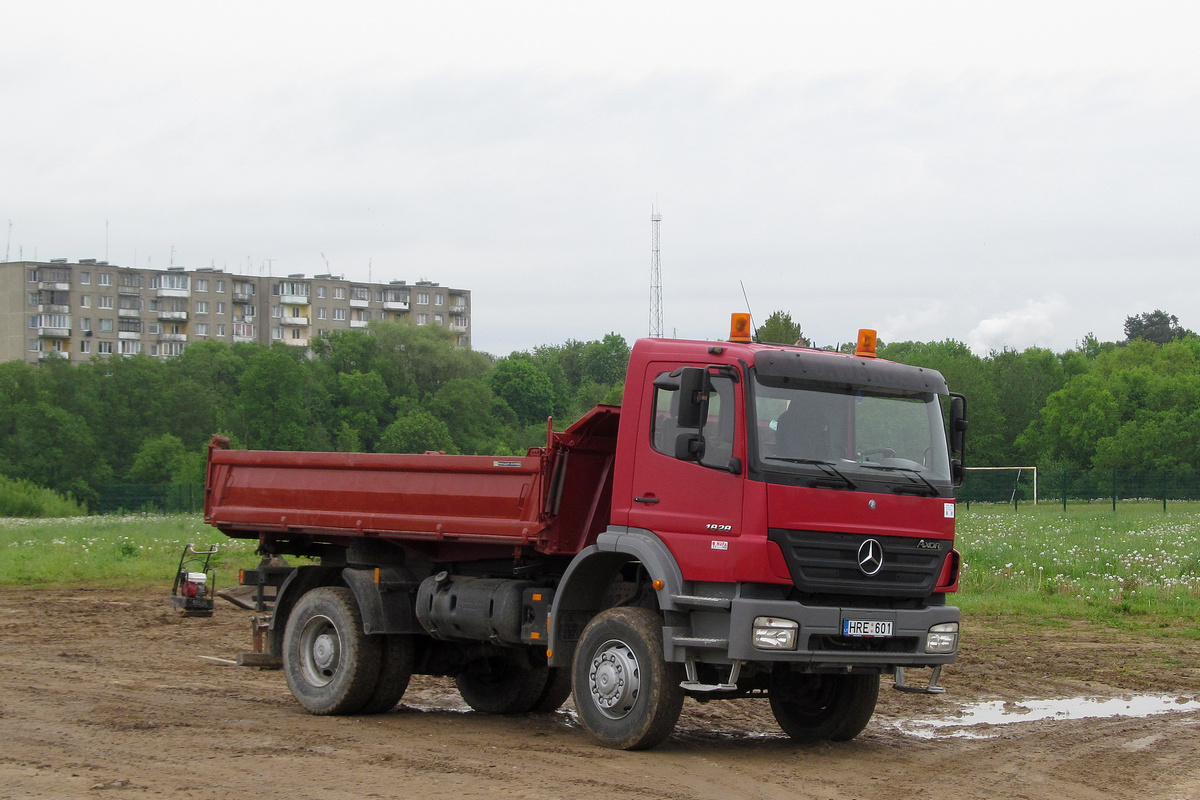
[(605, 361), (271, 408), (780, 329), (416, 432), (522, 384), (159, 460), (1154, 326)]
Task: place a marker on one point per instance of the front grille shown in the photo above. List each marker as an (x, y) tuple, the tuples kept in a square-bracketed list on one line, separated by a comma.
[(852, 644), (822, 562)]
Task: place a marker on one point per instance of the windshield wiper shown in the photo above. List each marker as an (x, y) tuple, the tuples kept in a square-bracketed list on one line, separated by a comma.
[(824, 465), (906, 470)]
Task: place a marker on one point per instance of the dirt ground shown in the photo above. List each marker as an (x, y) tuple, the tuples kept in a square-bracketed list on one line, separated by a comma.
[(108, 693)]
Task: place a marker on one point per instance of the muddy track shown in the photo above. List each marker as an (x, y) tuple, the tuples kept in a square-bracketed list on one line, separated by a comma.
[(106, 693)]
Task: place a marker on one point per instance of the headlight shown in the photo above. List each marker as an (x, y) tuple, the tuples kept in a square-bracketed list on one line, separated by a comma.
[(774, 633), (942, 638)]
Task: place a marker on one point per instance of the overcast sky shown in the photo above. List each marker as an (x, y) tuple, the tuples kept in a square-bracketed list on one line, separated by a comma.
[(1004, 174)]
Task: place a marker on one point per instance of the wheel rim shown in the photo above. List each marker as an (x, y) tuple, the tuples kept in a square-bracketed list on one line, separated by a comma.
[(320, 651), (615, 679)]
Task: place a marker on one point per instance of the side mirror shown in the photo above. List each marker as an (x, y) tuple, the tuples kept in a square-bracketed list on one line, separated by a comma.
[(689, 447), (958, 438), (693, 397)]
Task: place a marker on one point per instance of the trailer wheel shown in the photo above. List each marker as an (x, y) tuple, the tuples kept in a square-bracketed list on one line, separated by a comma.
[(558, 689), (627, 695), (501, 685), (332, 667), (813, 708), (395, 670)]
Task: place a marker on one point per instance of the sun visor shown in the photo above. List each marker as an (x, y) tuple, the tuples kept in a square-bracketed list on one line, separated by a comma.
[(821, 367)]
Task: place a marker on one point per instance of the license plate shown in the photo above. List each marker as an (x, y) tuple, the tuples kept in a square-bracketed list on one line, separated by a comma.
[(866, 627)]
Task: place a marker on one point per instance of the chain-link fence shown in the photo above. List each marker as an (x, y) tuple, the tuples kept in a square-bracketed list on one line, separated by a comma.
[(1079, 486), (166, 498)]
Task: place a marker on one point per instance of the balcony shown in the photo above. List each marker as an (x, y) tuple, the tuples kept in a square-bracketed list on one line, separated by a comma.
[(176, 316), (54, 333), (359, 303), (296, 342), (293, 299), (163, 292), (54, 309), (129, 290), (128, 312), (241, 337), (293, 320), (358, 323), (395, 305), (46, 355), (458, 328), (54, 286), (129, 335), (172, 337), (243, 297)]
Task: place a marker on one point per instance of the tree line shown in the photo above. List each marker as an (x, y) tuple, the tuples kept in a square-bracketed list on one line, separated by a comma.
[(393, 387), (397, 387)]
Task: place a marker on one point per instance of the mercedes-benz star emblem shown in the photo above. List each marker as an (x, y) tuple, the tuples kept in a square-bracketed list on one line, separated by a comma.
[(870, 557)]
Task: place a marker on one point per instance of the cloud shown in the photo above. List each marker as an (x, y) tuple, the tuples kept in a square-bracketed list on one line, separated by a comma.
[(1029, 325)]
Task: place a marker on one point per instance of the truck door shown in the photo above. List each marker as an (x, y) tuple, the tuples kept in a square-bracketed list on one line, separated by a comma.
[(695, 507)]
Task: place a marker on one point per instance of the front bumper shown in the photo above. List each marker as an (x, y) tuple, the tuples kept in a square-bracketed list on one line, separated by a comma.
[(819, 641)]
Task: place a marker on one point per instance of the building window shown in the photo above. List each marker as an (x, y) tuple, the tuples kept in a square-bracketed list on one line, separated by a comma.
[(106, 326), (201, 305), (339, 313), (154, 328), (104, 301), (438, 319), (320, 313), (105, 279), (422, 298), (296, 333), (339, 293), (35, 345), (201, 285), (220, 330), (320, 292), (85, 300), (33, 276), (220, 308), (422, 319), (220, 287), (360, 293), (202, 329), (85, 323), (85, 277), (439, 299), (276, 312), (130, 347), (104, 348), (277, 333), (85, 347)]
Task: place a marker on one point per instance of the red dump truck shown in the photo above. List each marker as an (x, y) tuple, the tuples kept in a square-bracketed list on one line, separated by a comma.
[(753, 520)]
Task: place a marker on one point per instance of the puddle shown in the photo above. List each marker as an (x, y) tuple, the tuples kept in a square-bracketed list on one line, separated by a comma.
[(971, 720)]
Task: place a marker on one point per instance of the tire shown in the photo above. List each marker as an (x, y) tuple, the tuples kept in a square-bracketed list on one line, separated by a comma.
[(558, 689), (501, 685), (332, 667), (395, 670), (627, 696), (815, 708)]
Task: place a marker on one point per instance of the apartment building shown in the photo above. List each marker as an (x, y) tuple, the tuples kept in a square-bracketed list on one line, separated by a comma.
[(85, 309)]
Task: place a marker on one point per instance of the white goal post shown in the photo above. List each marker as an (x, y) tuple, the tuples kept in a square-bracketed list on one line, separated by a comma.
[(1019, 470)]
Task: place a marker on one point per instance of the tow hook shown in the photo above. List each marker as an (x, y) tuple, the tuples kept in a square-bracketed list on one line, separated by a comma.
[(932, 688)]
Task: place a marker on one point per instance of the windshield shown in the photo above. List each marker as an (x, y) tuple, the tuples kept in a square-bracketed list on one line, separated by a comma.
[(849, 434)]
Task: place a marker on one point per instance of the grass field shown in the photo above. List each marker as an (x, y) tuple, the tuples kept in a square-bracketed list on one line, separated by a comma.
[(1136, 568)]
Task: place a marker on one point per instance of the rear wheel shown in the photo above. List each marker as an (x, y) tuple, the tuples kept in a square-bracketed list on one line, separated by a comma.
[(502, 685), (813, 708), (332, 667), (558, 689), (627, 695), (395, 670)]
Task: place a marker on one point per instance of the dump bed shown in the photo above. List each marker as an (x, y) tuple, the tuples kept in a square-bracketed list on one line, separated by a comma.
[(554, 499)]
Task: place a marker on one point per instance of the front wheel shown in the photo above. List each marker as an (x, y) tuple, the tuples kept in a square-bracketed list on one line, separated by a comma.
[(627, 695), (332, 667), (814, 708)]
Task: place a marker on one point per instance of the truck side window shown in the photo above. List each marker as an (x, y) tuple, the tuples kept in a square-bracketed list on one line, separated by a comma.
[(718, 430)]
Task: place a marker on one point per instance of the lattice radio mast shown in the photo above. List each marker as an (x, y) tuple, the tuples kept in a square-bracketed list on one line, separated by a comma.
[(655, 277)]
